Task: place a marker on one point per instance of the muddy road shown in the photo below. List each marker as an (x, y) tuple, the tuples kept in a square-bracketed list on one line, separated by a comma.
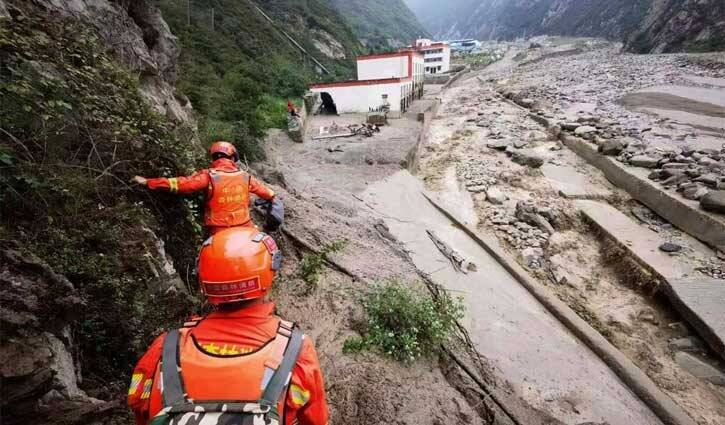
[(507, 176)]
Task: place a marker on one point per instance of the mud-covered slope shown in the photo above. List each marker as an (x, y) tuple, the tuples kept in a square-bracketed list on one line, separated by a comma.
[(648, 25), (381, 23)]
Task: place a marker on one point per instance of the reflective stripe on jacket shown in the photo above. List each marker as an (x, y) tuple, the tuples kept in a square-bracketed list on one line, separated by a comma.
[(232, 333), (202, 180)]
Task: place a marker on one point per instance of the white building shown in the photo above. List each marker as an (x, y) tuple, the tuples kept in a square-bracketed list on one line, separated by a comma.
[(386, 79), (436, 55)]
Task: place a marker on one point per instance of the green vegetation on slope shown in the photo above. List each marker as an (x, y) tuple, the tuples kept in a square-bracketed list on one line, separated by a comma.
[(239, 73), (74, 130), (381, 24), (404, 322)]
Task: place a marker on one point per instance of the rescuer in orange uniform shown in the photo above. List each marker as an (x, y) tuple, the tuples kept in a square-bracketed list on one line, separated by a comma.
[(234, 363), (227, 189)]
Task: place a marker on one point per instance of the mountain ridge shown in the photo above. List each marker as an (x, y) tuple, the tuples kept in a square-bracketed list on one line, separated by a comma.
[(657, 26)]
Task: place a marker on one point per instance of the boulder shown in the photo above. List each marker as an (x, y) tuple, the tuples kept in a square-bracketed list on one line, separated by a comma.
[(532, 256), (569, 126), (644, 161), (655, 175), (500, 144), (670, 247), (714, 201), (695, 192), (526, 103), (699, 368), (528, 158), (612, 147), (675, 165), (519, 144), (585, 129), (676, 179), (709, 179), (476, 188), (495, 196)]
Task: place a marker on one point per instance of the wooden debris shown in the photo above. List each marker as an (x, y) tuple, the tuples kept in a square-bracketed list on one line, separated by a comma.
[(459, 263)]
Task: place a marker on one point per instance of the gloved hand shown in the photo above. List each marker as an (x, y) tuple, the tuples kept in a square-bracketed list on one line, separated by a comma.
[(274, 213)]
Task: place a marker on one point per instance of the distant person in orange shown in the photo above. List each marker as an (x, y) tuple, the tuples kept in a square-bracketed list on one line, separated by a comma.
[(234, 365), (227, 189), (292, 109)]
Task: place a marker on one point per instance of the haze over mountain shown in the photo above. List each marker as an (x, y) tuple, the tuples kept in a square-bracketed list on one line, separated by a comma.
[(645, 25)]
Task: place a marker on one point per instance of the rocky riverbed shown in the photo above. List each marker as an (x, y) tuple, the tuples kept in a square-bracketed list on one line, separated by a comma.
[(524, 185), (660, 112)]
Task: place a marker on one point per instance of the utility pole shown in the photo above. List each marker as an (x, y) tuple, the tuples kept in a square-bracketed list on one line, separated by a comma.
[(188, 13), (212, 19)]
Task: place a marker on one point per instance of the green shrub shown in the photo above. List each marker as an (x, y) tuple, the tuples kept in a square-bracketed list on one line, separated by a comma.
[(405, 322), (313, 263), (74, 128)]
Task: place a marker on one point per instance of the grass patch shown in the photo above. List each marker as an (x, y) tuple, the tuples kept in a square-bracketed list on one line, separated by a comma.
[(313, 263), (405, 322)]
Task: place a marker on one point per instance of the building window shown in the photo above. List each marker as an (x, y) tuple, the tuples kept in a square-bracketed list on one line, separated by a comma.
[(439, 68), (434, 60)]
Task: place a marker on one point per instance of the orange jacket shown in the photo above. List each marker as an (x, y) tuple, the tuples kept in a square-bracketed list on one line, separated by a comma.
[(230, 333), (201, 180)]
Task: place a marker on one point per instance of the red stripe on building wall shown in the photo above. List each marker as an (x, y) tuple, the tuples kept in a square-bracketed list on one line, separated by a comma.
[(359, 83), (381, 56)]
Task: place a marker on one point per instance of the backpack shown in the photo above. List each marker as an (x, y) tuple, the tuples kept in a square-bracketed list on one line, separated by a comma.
[(181, 410)]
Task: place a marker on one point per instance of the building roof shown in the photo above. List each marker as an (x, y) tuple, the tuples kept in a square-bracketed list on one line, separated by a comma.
[(399, 53), (432, 46), (350, 83)]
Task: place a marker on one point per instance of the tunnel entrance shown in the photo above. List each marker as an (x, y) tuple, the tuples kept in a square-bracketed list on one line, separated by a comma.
[(328, 104)]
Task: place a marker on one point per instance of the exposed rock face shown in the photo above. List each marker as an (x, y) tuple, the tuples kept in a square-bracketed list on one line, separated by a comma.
[(140, 38), (679, 25), (37, 370)]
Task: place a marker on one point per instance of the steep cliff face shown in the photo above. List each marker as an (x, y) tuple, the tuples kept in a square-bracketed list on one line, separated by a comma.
[(87, 263), (139, 37), (680, 25), (381, 23), (647, 25)]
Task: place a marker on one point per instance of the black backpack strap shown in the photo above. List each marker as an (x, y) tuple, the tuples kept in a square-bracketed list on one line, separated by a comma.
[(173, 387), (282, 376)]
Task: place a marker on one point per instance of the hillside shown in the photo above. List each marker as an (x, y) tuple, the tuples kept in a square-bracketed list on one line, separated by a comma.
[(681, 25), (239, 70), (648, 25), (381, 24)]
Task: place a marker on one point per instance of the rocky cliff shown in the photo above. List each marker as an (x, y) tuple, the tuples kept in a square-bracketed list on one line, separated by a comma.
[(680, 25), (88, 265), (647, 25)]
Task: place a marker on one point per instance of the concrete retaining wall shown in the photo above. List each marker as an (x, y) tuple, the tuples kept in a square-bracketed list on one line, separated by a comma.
[(687, 215), (426, 117), (456, 77), (660, 403)]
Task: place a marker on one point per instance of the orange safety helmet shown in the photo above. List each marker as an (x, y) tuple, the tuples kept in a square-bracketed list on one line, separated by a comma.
[(238, 264), (225, 148)]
